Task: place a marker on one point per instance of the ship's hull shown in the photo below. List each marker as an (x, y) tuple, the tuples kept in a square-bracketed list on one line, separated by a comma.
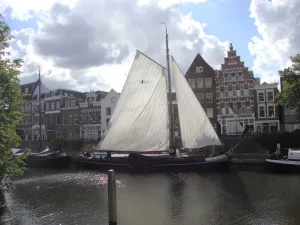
[(143, 163)]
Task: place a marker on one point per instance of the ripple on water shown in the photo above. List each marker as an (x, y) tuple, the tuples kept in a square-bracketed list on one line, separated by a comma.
[(82, 178)]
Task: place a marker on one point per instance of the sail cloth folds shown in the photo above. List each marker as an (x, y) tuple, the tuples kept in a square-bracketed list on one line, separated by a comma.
[(196, 129), (140, 120)]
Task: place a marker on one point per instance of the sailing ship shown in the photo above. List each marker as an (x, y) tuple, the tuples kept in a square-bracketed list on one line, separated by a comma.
[(140, 133)]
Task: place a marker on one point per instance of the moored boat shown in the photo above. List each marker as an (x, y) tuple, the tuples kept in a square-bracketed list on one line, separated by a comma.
[(289, 162), (45, 159)]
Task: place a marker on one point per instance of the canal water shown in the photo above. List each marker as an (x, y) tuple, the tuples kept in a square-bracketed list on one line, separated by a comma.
[(65, 197)]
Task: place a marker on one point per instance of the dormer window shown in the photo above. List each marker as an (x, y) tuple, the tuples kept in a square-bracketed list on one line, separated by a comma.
[(199, 69)]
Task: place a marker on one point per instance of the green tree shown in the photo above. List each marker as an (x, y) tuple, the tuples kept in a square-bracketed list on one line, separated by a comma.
[(10, 110), (290, 95)]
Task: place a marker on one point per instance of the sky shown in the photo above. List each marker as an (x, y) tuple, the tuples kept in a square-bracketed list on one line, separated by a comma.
[(90, 44)]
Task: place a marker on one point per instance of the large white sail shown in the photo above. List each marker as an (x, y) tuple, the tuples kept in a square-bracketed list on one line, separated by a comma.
[(140, 120), (196, 129)]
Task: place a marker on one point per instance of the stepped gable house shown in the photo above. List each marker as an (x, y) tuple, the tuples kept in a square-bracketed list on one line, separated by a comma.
[(235, 96)]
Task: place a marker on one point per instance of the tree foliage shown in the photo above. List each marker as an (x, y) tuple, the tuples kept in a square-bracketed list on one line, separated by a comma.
[(10, 109), (290, 95)]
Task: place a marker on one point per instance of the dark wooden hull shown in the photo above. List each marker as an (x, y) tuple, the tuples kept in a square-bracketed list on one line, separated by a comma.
[(154, 165), (56, 161)]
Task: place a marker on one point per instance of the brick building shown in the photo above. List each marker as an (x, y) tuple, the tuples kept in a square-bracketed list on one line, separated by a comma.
[(235, 96), (267, 113), (201, 78), (65, 113)]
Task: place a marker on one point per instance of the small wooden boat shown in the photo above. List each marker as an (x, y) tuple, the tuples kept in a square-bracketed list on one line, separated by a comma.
[(45, 158), (289, 162)]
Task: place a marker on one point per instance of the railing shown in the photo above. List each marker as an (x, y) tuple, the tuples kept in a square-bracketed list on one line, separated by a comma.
[(235, 115)]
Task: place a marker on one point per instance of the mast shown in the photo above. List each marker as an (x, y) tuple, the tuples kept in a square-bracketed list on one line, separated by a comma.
[(169, 87), (40, 109)]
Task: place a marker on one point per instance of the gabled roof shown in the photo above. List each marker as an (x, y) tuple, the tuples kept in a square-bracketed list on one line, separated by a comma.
[(30, 87), (196, 62)]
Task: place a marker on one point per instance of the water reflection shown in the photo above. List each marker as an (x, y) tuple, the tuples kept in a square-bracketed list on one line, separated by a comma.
[(233, 201), (176, 194)]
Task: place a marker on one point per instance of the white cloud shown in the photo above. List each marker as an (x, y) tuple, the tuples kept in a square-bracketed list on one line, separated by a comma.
[(278, 24), (24, 10), (91, 44)]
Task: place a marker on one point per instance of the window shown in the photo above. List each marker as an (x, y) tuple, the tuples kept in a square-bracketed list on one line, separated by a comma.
[(270, 96), (248, 107), (70, 120), (261, 97), (107, 121), (191, 83), (52, 106), (223, 109), (76, 119), (42, 120), (199, 69), (271, 111), (200, 83), (43, 107), (57, 105), (208, 82), (243, 108), (209, 97), (108, 111), (246, 90), (47, 106), (240, 75), (261, 112), (232, 76), (230, 93), (210, 112), (200, 96), (73, 103), (26, 91), (58, 119), (94, 117), (67, 103), (226, 76), (222, 92), (81, 118)]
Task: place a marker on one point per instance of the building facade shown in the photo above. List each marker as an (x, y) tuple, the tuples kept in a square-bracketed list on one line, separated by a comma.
[(267, 113), (201, 78), (235, 95), (65, 113)]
